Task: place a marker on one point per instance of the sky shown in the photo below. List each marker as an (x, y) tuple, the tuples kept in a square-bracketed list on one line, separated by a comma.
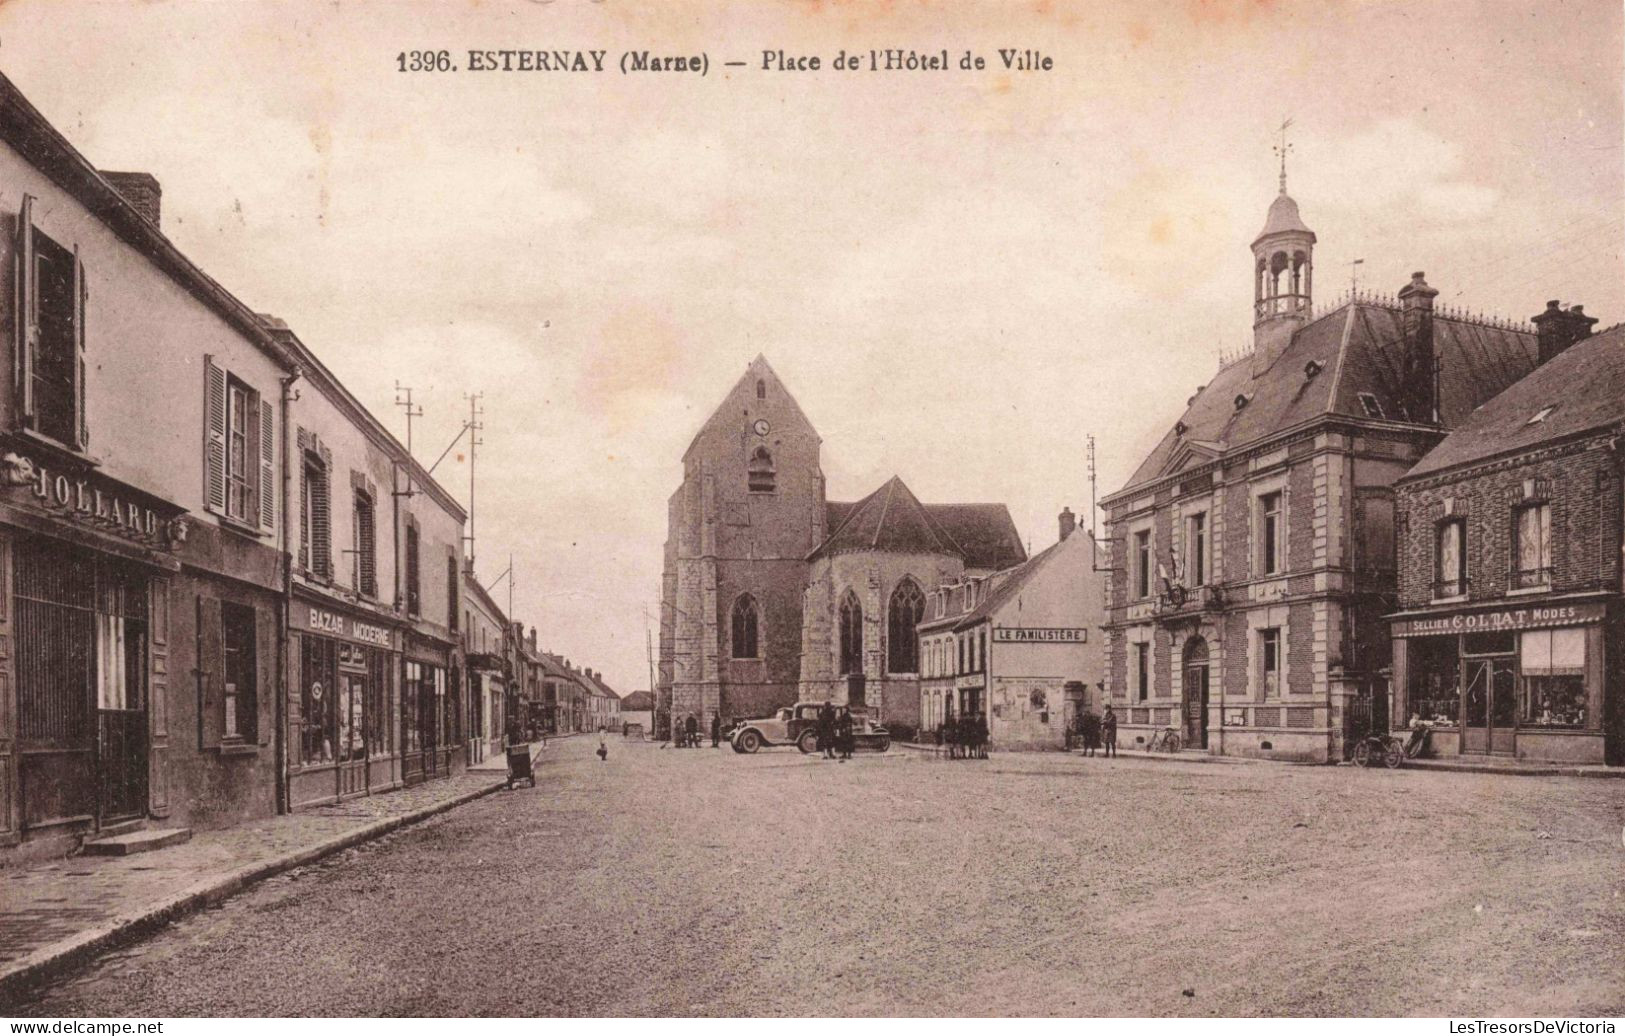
[(961, 276)]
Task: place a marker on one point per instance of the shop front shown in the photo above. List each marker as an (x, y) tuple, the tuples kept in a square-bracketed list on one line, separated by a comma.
[(1530, 682), (429, 730), (85, 570), (341, 737)]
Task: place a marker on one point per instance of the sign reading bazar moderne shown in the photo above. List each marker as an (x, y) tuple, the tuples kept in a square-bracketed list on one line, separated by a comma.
[(1039, 635), (1532, 617), (320, 620)]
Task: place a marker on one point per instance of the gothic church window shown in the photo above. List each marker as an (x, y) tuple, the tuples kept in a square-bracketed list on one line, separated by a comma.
[(906, 611), (745, 622), (759, 473), (851, 634)]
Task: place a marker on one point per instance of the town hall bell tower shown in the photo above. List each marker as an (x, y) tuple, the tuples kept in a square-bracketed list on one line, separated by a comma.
[(1283, 277)]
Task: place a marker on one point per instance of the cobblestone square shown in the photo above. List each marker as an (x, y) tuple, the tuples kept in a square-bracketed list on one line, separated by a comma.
[(703, 882)]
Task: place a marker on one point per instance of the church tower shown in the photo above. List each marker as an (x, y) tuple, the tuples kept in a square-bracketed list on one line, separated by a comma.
[(739, 531), (1283, 276)]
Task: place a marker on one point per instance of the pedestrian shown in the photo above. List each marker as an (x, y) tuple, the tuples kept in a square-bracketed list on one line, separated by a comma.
[(716, 729), (981, 735), (1108, 731), (826, 730), (1089, 730), (692, 727), (843, 732), (603, 751), (950, 733)]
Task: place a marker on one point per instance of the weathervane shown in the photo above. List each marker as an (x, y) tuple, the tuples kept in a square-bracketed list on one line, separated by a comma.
[(1281, 149)]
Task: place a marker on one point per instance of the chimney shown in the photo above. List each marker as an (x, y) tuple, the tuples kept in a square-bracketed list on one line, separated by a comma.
[(1069, 522), (139, 189), (1558, 328), (1416, 366), (533, 638)]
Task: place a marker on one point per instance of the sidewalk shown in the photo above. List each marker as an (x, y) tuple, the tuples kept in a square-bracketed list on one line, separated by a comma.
[(55, 914)]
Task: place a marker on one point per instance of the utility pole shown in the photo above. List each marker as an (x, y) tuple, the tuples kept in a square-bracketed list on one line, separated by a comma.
[(403, 399), (475, 426)]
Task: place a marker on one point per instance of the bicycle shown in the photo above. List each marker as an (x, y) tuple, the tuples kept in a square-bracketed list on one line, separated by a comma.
[(1166, 740)]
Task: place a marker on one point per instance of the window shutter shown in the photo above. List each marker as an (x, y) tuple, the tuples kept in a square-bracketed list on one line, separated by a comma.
[(267, 465), (80, 293), (322, 541), (27, 309), (211, 670), (214, 436)]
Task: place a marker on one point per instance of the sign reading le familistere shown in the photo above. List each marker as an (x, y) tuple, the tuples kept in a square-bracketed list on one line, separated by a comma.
[(1039, 635)]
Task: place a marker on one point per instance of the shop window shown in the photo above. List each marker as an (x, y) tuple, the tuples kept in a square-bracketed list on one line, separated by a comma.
[(1196, 549), (1532, 547), (1142, 564), (1142, 671), (380, 731), (1554, 685), (315, 541), (365, 546), (318, 672), (759, 473), (851, 622), (52, 301), (906, 610), (1433, 677), (1271, 542), (239, 463), (351, 709), (1269, 661), (413, 596), (1450, 552), (744, 627), (241, 672)]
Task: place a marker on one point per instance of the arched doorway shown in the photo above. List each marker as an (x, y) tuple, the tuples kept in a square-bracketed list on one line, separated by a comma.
[(1196, 692)]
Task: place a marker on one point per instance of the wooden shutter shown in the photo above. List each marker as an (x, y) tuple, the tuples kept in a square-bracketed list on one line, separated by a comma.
[(81, 292), (267, 465), (214, 436), (211, 673), (27, 309)]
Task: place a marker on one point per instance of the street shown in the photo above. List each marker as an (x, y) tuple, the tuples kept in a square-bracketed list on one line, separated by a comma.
[(666, 882)]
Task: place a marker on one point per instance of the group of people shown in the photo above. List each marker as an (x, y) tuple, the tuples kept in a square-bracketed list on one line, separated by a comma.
[(837, 735), (965, 736), (1094, 733), (686, 733)]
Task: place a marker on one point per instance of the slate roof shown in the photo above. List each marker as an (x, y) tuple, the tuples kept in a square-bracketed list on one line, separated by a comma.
[(1007, 585), (1358, 347), (893, 519), (638, 701), (1585, 385), (1283, 218)]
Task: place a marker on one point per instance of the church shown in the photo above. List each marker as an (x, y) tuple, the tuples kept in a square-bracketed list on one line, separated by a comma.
[(772, 594)]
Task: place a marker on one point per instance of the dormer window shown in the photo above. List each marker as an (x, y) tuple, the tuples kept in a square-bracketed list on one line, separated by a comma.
[(1311, 368), (1241, 400), (759, 473), (1372, 406), (1542, 414)]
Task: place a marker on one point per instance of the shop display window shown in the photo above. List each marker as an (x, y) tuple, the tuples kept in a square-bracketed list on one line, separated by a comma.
[(316, 701), (1554, 687), (1434, 680)]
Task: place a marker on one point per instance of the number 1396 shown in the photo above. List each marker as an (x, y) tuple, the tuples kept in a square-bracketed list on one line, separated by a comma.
[(424, 61)]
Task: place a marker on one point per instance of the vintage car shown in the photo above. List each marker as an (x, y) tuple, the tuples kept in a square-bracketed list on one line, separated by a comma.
[(798, 725)]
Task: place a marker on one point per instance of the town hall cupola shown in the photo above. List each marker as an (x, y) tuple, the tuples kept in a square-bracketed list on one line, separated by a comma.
[(1283, 277)]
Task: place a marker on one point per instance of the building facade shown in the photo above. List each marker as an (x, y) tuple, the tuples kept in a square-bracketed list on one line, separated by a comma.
[(1252, 552), (203, 617), (760, 569), (1509, 640), (1021, 647), (489, 671)]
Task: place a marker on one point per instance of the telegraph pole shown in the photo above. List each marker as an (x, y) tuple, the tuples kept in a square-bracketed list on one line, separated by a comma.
[(403, 399), (475, 426)]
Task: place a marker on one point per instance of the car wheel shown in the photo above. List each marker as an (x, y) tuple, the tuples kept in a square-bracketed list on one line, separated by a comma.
[(808, 742), (885, 743), (749, 742)]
